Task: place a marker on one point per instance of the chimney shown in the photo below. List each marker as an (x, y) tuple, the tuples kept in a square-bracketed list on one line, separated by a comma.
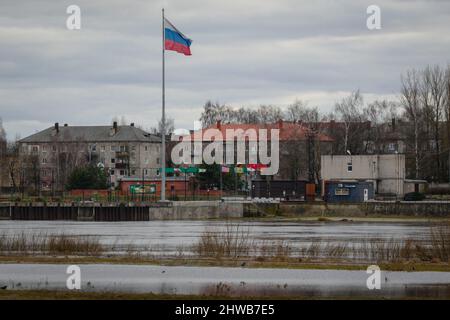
[(218, 124), (393, 124), (132, 124), (115, 127), (57, 127)]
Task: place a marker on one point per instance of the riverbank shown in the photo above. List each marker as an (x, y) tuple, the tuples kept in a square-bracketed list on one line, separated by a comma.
[(200, 210), (288, 263)]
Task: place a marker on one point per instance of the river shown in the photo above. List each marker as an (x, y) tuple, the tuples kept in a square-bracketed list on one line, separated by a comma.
[(169, 237)]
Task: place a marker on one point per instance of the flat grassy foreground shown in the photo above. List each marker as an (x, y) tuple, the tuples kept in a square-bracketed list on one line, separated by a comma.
[(288, 263), (80, 295)]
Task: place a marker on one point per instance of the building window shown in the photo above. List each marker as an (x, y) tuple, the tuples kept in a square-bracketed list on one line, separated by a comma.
[(349, 166), (391, 147), (122, 172), (342, 192), (113, 160), (112, 172), (44, 160), (122, 148), (103, 148), (146, 148), (35, 148), (133, 172), (113, 148), (54, 148), (157, 160)]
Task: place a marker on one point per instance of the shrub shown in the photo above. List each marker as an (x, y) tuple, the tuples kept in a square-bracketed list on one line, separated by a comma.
[(414, 196), (89, 177)]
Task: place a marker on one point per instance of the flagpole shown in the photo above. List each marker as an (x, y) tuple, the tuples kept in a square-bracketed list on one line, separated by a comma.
[(221, 183), (163, 120)]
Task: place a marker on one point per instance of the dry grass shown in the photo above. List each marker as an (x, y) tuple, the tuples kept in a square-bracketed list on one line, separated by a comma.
[(232, 241), (60, 244), (440, 239)]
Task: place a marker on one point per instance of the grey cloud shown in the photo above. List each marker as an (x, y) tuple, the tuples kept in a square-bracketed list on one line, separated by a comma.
[(244, 52)]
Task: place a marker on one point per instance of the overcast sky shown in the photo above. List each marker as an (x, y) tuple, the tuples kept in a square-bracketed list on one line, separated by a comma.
[(245, 53)]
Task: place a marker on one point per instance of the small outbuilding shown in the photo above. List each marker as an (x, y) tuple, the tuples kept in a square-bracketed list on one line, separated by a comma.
[(348, 191)]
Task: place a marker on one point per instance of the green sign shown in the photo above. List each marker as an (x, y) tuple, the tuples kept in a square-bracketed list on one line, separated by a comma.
[(140, 189)]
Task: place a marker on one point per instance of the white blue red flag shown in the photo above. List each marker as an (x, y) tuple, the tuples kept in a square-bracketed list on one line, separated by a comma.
[(175, 40)]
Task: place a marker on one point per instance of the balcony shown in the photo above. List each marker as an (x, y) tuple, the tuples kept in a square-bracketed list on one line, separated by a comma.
[(122, 154), (121, 165)]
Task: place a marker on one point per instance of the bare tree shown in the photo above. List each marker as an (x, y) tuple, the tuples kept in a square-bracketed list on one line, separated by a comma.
[(212, 112), (447, 113), (169, 127), (349, 111), (246, 115), (269, 114), (435, 80), (2, 139), (379, 113), (410, 102), (301, 113)]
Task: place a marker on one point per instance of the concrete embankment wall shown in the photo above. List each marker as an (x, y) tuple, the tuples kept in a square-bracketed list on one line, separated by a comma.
[(119, 212), (182, 210), (375, 208)]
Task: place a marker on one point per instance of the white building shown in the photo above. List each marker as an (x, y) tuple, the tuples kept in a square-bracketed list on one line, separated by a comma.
[(387, 171)]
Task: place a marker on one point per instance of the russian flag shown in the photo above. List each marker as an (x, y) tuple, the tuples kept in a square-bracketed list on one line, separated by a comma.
[(175, 40)]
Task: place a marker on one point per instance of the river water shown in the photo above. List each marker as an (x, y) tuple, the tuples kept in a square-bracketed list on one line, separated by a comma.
[(169, 237)]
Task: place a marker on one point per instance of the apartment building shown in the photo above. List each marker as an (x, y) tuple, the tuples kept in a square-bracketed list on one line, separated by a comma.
[(122, 150)]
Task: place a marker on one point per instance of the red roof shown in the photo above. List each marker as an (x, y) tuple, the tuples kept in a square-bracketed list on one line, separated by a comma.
[(289, 131)]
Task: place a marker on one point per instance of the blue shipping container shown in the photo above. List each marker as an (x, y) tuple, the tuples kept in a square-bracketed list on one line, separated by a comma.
[(341, 191)]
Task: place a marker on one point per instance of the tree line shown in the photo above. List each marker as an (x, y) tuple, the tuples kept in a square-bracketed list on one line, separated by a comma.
[(419, 115)]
